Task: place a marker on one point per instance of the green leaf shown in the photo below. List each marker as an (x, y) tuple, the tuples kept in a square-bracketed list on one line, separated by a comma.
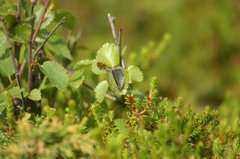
[(85, 62), (3, 44), (22, 33), (76, 79), (7, 8), (15, 92), (96, 70), (45, 84), (35, 95), (23, 53), (6, 67), (55, 73), (57, 46), (70, 21), (135, 74), (50, 112), (108, 55), (49, 16), (101, 90), (26, 116)]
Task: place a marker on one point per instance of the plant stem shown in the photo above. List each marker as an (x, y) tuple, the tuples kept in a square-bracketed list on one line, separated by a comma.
[(118, 42), (41, 20), (22, 67), (112, 24), (31, 48), (19, 10), (12, 54), (121, 62), (48, 36)]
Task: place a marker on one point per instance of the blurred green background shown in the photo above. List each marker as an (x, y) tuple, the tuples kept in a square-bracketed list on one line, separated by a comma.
[(201, 61)]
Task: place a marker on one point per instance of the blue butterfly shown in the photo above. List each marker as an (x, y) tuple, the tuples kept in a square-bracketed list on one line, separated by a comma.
[(118, 77)]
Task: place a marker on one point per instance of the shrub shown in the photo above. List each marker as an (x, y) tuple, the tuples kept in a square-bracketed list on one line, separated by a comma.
[(47, 113)]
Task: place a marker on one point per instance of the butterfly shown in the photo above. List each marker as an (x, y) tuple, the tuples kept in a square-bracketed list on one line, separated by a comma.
[(118, 77)]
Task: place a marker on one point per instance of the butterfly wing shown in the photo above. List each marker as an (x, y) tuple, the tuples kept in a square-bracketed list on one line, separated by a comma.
[(118, 77)]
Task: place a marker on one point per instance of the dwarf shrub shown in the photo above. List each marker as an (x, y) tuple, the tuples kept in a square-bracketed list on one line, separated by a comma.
[(48, 109)]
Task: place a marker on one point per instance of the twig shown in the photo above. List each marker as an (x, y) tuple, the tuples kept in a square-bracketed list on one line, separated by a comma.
[(118, 42), (106, 95), (121, 62), (19, 10), (112, 24), (48, 36), (10, 80), (88, 86), (30, 43), (21, 70), (13, 58), (41, 20)]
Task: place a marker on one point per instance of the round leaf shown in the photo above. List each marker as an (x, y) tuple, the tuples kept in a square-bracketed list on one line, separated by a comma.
[(49, 16), (57, 46), (22, 33), (76, 79), (15, 92), (101, 90), (55, 73), (70, 19), (6, 67), (108, 55), (83, 63), (35, 95), (135, 73), (96, 70)]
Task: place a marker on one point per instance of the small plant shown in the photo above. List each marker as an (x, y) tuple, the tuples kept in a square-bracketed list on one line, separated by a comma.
[(49, 109)]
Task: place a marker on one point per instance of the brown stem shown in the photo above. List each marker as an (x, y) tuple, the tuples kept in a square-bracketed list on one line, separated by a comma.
[(19, 10), (48, 36), (30, 43), (13, 59), (41, 20), (111, 20), (118, 42), (121, 62), (21, 70)]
